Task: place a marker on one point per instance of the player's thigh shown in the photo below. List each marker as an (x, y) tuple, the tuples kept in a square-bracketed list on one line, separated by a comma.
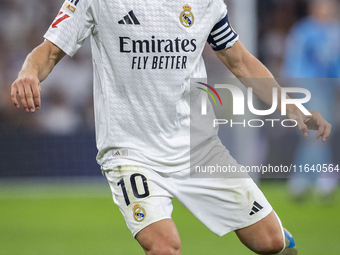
[(141, 196)]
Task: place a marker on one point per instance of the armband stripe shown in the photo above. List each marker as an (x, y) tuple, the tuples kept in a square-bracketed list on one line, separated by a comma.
[(226, 33), (229, 38), (220, 29), (222, 35)]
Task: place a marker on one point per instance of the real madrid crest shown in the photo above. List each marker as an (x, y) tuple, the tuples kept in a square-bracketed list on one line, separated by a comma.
[(138, 212), (186, 17)]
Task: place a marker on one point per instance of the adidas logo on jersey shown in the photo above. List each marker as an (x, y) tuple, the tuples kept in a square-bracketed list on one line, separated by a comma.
[(129, 19), (256, 208), (123, 152)]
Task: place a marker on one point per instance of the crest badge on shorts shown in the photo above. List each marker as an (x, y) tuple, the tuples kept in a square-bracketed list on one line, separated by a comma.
[(186, 17), (138, 213)]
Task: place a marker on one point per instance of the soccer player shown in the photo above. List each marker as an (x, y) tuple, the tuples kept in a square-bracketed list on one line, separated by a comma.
[(144, 54)]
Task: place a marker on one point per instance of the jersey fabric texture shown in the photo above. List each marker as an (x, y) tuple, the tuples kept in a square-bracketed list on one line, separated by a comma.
[(144, 54)]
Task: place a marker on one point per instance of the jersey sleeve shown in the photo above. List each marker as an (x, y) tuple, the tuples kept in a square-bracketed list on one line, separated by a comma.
[(73, 24), (222, 36)]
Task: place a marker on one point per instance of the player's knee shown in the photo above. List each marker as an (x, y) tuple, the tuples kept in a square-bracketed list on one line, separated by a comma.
[(272, 245), (166, 247), (164, 251)]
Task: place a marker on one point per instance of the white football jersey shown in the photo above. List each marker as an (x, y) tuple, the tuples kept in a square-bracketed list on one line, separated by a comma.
[(144, 54)]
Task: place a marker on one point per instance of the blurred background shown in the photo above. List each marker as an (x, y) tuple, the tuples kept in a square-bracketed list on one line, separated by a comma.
[(53, 198)]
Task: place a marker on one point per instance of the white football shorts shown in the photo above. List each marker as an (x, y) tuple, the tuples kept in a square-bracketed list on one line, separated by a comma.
[(144, 196)]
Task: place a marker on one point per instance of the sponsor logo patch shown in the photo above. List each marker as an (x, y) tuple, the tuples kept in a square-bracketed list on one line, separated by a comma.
[(60, 18), (69, 7)]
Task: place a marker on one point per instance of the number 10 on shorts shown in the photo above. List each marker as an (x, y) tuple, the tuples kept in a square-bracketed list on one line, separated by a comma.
[(135, 190)]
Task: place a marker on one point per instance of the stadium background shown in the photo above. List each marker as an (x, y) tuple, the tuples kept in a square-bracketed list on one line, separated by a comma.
[(53, 199)]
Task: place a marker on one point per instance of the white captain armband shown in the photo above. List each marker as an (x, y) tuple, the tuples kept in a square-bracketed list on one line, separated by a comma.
[(222, 35)]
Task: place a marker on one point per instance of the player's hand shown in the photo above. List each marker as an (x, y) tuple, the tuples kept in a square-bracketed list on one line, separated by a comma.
[(312, 122), (27, 87)]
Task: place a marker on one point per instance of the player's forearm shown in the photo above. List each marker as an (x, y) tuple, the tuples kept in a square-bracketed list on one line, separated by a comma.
[(37, 66), (40, 62), (252, 73)]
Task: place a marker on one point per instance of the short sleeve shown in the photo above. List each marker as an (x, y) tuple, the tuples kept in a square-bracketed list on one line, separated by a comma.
[(222, 35), (73, 24)]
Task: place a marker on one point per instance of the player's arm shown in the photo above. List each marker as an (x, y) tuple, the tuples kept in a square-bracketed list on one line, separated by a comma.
[(245, 66), (37, 66)]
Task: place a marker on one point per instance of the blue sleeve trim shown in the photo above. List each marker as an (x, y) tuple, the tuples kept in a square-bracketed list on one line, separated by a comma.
[(222, 35)]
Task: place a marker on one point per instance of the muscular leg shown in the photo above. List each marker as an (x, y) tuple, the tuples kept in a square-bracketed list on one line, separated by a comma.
[(263, 237), (160, 238)]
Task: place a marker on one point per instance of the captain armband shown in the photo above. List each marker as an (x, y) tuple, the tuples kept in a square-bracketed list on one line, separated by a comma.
[(222, 35)]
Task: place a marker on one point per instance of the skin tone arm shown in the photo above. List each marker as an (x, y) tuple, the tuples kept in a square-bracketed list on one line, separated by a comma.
[(244, 66), (37, 66)]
